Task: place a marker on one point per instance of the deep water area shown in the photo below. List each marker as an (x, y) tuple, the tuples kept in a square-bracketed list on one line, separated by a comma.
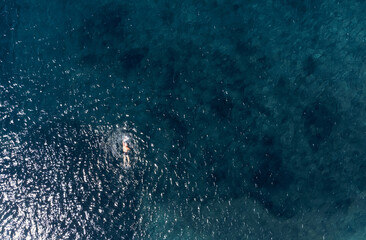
[(246, 119)]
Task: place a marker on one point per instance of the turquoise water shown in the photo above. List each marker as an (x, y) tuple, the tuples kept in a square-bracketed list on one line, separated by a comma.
[(245, 119)]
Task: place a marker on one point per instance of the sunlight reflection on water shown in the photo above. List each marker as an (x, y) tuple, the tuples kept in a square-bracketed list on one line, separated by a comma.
[(65, 181)]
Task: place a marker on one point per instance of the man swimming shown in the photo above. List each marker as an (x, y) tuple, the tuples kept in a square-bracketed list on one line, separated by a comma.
[(126, 150)]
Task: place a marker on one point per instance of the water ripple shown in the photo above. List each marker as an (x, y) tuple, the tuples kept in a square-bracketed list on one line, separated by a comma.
[(66, 181)]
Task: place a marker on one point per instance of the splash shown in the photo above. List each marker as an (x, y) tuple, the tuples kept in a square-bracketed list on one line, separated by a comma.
[(115, 135)]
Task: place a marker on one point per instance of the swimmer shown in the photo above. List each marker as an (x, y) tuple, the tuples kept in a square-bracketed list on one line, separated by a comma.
[(126, 150)]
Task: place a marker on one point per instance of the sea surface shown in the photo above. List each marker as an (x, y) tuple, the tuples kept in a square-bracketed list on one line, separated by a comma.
[(246, 119)]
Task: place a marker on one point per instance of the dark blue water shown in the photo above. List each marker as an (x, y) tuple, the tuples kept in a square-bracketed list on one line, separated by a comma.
[(246, 119)]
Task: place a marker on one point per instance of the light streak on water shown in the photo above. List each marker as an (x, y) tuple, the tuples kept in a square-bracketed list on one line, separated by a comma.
[(61, 181)]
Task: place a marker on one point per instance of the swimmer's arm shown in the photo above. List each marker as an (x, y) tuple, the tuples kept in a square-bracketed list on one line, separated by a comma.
[(131, 150)]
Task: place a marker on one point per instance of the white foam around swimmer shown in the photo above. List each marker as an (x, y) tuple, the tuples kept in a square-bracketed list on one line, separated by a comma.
[(117, 135)]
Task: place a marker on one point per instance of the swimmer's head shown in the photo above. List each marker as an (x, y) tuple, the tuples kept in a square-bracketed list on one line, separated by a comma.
[(125, 139)]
